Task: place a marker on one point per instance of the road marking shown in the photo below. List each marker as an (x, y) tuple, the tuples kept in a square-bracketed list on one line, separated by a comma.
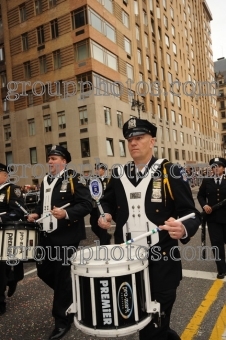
[(219, 331), (30, 271), (198, 274), (195, 322)]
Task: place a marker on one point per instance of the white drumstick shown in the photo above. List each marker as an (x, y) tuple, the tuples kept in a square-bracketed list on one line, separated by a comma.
[(42, 218), (20, 206), (153, 231), (3, 213)]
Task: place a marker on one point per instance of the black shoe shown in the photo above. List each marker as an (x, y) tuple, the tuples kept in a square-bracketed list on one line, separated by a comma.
[(58, 333), (2, 308), (12, 288), (220, 275)]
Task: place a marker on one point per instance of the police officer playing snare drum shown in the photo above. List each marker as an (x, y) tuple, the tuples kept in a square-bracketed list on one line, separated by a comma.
[(9, 194), (212, 191), (166, 196), (57, 189)]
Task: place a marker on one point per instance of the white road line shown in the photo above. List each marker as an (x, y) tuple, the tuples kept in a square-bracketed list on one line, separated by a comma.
[(198, 274), (30, 272)]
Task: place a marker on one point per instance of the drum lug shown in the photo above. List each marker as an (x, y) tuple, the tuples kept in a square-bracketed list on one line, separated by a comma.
[(71, 309)]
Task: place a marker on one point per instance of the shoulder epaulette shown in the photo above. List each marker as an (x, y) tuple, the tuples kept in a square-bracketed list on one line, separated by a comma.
[(8, 194)]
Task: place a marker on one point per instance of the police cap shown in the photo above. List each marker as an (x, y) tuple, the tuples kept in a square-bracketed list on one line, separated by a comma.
[(218, 161), (136, 126), (3, 167), (59, 150)]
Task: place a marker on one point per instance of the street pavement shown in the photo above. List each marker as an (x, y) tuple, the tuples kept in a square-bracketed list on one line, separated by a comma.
[(199, 311)]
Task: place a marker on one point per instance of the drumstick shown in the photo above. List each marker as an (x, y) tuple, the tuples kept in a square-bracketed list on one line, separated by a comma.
[(3, 213), (153, 231), (20, 206), (42, 218)]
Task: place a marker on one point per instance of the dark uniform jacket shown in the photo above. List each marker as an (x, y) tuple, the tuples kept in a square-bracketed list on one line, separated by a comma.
[(9, 194), (210, 194), (69, 231), (165, 273)]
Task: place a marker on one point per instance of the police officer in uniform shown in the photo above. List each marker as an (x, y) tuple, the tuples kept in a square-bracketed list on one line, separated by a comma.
[(9, 194), (101, 233), (62, 186), (168, 196), (212, 191)]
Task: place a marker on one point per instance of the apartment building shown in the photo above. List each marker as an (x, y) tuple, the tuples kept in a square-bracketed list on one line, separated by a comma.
[(220, 76), (72, 72)]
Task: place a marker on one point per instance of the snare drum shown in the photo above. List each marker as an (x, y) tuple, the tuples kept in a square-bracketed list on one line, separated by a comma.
[(18, 240), (111, 291)]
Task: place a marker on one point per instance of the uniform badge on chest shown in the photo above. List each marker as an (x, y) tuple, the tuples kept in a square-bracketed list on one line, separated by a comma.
[(2, 196), (64, 186), (156, 190)]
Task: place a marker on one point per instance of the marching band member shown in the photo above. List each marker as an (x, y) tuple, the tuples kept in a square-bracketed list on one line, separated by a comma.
[(150, 190), (65, 230), (101, 233), (212, 191), (9, 194)]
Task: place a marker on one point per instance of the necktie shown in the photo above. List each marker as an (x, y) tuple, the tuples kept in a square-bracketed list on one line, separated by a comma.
[(50, 179), (218, 181)]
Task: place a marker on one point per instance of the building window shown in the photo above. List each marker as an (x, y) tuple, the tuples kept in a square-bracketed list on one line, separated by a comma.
[(3, 79), (167, 41), (174, 48), (148, 63), (125, 19), (33, 156), (129, 71), (9, 157), (173, 116), (40, 34), (83, 115), (85, 150), (107, 115), (54, 28), (81, 50), (120, 119), (56, 59), (138, 33), (79, 17), (168, 59), (122, 148), (7, 132), (139, 56), (2, 53), (5, 105), (42, 64), (31, 127), (175, 135), (110, 149), (47, 149), (104, 56), (107, 4), (27, 70), (135, 6), (38, 7), (46, 94), (25, 42), (182, 137), (145, 17), (167, 135), (52, 3), (173, 30), (166, 114), (22, 10), (47, 123), (180, 119), (127, 45), (176, 154), (61, 120)]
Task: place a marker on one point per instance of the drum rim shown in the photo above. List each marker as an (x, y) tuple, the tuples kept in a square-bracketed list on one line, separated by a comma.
[(18, 225)]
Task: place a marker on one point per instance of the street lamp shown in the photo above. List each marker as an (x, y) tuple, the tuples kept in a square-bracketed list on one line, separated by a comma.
[(138, 104)]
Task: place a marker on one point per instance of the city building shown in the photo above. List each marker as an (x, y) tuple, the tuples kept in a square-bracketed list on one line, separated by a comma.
[(72, 72), (220, 76)]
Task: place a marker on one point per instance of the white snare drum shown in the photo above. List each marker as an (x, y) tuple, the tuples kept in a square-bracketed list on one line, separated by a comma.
[(111, 298), (17, 240)]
